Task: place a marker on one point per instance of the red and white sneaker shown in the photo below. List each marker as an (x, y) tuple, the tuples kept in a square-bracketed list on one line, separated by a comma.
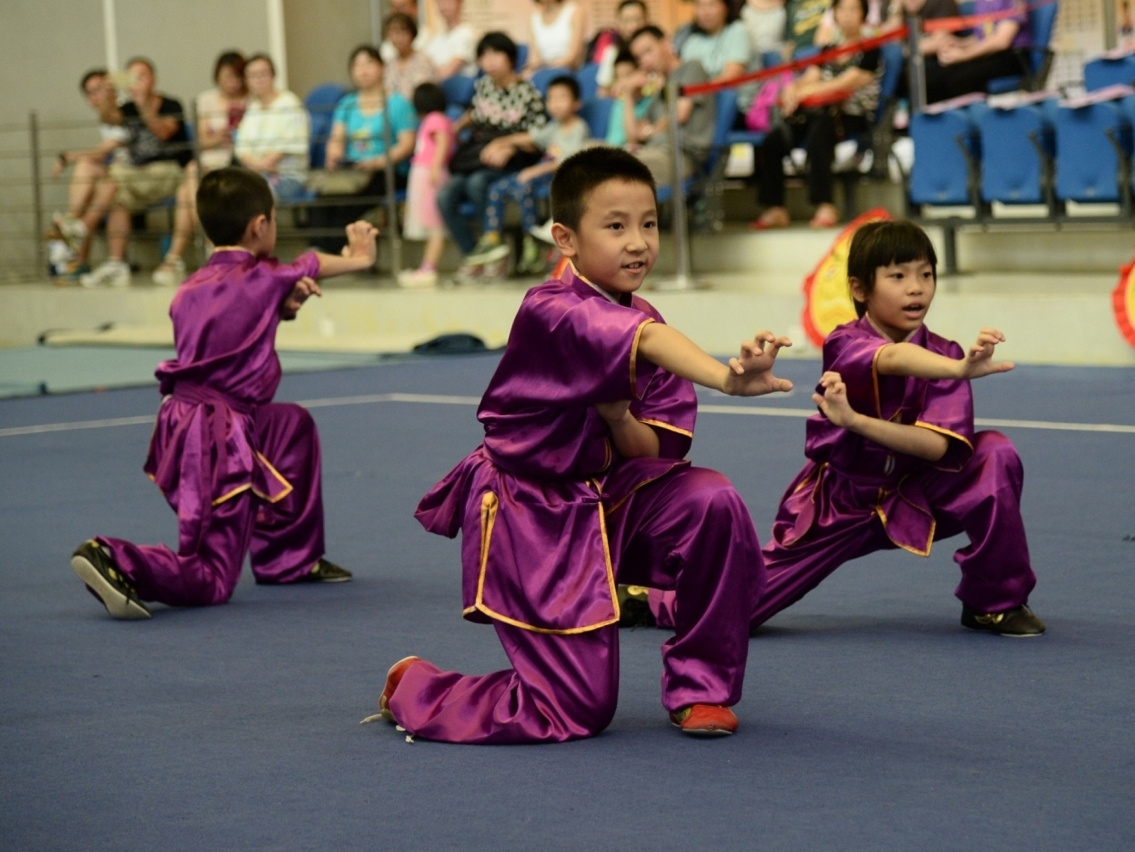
[(705, 720)]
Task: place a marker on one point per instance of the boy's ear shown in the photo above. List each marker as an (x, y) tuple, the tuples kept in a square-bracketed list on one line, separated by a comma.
[(566, 240), (256, 227)]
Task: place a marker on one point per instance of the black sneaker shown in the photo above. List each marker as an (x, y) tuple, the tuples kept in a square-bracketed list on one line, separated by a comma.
[(326, 571), (95, 568), (1018, 623), (634, 610)]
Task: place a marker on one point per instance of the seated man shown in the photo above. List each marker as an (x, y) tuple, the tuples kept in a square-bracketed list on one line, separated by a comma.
[(156, 149), (90, 165), (696, 116), (957, 65)]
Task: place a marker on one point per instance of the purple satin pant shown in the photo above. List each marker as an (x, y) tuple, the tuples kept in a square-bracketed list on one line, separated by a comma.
[(688, 531), (983, 500), (284, 539)]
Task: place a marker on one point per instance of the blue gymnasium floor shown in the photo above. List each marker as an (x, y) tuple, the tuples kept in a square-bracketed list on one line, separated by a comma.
[(871, 720)]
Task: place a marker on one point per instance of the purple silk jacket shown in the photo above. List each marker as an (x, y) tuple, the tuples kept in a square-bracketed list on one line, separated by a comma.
[(532, 499), (203, 450), (840, 460)]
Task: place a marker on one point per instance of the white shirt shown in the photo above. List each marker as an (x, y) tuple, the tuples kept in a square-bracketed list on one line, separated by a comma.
[(283, 127)]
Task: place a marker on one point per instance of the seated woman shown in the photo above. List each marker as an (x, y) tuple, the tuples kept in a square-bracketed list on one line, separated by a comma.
[(273, 136), (409, 67), (451, 44), (503, 105), (843, 94), (718, 40), (219, 112), (557, 41), (358, 142)]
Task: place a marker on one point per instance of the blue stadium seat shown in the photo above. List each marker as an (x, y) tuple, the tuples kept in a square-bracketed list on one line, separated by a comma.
[(521, 57), (587, 76), (1018, 149), (947, 152), (1096, 143), (458, 91), (1042, 21), (542, 78), (1101, 73), (597, 113), (320, 103)]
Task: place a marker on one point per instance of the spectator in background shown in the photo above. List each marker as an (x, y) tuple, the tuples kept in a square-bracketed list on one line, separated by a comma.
[(450, 43), (764, 21), (557, 41), (696, 115), (718, 41), (358, 142), (630, 107), (957, 65), (410, 67), (503, 106), (219, 111), (630, 17), (91, 166), (850, 84), (273, 136), (882, 15), (802, 19), (156, 149), (409, 8)]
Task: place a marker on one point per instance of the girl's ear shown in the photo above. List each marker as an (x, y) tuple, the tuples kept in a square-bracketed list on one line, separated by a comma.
[(858, 291)]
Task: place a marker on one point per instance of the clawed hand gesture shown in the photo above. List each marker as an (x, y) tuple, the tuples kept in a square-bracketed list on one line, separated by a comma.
[(750, 374), (833, 402), (978, 361), (361, 238), (304, 289)]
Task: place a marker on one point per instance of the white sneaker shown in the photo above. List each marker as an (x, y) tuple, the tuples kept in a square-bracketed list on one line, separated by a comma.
[(110, 273), (72, 229), (410, 278), (170, 273), (543, 232)]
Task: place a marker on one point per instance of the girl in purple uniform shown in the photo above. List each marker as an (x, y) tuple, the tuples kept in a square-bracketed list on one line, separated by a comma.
[(242, 472), (893, 459)]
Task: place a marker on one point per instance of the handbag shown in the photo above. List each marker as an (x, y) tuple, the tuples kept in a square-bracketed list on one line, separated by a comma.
[(764, 112), (467, 157), (338, 181)]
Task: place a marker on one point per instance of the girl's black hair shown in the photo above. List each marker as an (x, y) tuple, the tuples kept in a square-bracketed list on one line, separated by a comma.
[(879, 244), (428, 97)]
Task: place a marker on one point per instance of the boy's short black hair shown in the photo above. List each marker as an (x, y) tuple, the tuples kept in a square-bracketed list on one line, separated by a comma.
[(624, 55), (879, 244), (501, 43), (94, 72), (228, 199), (429, 97), (650, 30), (581, 173), (570, 83)]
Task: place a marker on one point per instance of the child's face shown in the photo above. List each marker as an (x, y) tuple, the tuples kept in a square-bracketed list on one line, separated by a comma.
[(561, 103), (627, 77), (617, 241), (902, 294)]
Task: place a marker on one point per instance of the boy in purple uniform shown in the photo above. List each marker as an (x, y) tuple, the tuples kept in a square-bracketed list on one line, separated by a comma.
[(581, 483), (893, 457), (242, 472)]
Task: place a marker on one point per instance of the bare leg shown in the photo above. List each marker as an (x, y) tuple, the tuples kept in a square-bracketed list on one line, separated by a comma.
[(435, 245), (117, 232), (185, 215), (102, 197), (87, 173)]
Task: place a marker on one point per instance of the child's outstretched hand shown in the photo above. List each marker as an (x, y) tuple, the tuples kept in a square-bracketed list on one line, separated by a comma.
[(750, 374), (305, 288), (979, 362), (833, 403), (361, 237)]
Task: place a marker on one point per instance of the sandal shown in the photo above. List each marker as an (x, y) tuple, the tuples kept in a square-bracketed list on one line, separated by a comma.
[(774, 217), (827, 216)]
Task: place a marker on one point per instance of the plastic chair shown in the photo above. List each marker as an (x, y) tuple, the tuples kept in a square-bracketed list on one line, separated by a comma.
[(588, 79), (947, 158), (458, 91), (1042, 21), (1018, 148), (1101, 73), (1096, 141), (543, 78), (320, 103), (597, 113), (521, 57)]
